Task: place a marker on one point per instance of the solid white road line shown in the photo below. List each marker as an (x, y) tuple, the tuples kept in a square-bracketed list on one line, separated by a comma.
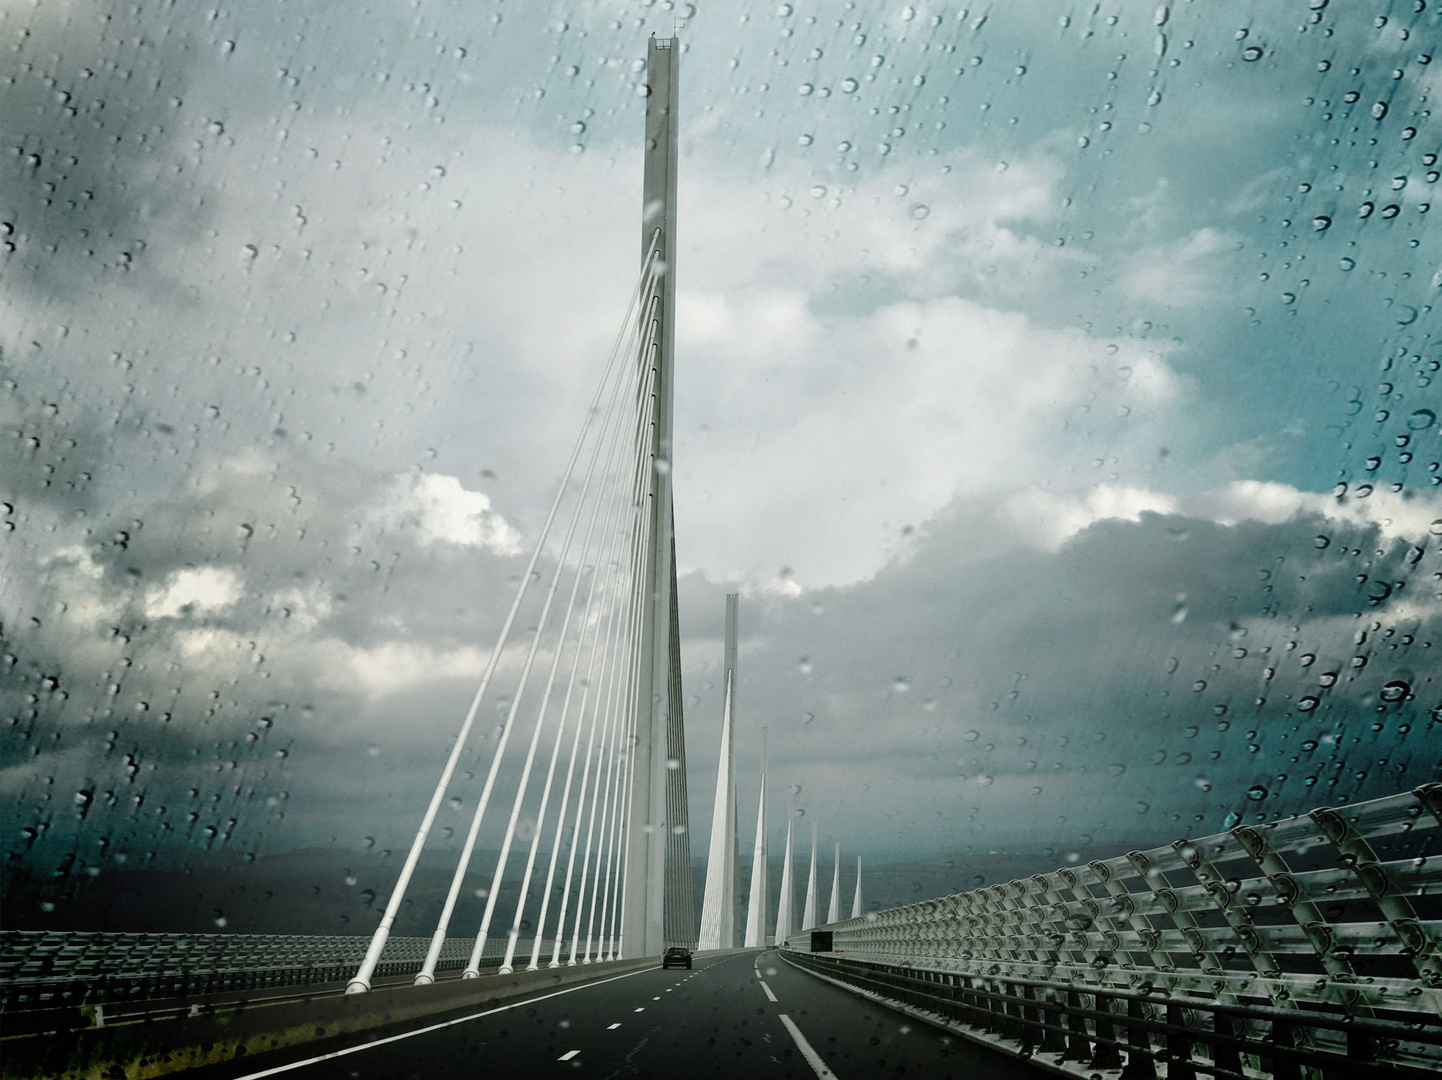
[(812, 1057), (769, 994), (426, 1030), (568, 1055)]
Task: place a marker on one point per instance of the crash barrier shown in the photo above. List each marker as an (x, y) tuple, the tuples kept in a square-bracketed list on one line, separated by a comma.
[(265, 1033), (49, 970), (1311, 941)]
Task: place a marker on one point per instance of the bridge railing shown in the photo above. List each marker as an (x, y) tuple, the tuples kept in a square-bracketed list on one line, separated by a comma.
[(48, 970), (1310, 940)]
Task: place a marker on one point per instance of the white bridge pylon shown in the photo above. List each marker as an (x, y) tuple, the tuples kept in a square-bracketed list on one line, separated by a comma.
[(602, 658)]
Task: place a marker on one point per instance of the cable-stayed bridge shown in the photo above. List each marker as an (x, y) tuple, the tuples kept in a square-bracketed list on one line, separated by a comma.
[(1307, 947)]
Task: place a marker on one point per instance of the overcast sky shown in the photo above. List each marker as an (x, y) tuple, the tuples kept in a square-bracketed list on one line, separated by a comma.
[(1054, 383)]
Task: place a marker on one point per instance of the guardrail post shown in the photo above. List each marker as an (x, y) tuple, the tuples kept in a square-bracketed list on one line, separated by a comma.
[(1052, 1039), (1107, 1055), (996, 1019), (1225, 1057), (1140, 1065), (1282, 1068), (1078, 1046), (1029, 1015), (1179, 1046), (1014, 1024), (975, 1011), (1360, 1047)]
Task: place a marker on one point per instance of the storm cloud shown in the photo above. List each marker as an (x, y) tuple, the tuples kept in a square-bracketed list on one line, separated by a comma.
[(1056, 389)]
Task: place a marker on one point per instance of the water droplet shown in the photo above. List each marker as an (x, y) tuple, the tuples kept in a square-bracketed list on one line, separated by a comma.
[(1395, 690), (1257, 793), (1321, 223), (1422, 419), (920, 211), (1251, 53), (1347, 264), (805, 89), (1379, 110), (1322, 541), (1308, 703), (849, 86)]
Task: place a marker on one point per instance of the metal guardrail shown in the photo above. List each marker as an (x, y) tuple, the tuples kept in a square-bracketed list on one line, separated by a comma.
[(1307, 942), (48, 970)]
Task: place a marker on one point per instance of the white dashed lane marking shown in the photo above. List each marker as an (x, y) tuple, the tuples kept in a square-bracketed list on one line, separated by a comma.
[(641, 1009), (812, 1057), (568, 1055), (770, 996), (426, 1030), (613, 1027)]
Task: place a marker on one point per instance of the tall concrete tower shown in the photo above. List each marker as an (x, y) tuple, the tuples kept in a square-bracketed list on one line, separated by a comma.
[(656, 908), (808, 912), (756, 913), (833, 912), (718, 906), (856, 903), (786, 909)]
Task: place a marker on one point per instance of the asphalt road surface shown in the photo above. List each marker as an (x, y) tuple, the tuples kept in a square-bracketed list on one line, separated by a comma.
[(743, 1014)]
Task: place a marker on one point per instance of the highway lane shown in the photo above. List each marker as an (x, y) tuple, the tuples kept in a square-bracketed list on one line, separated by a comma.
[(737, 1014)]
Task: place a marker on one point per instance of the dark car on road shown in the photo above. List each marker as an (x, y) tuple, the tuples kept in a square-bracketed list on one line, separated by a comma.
[(677, 956)]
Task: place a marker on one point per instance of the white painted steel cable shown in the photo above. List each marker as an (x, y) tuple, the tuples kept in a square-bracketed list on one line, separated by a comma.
[(648, 400), (609, 532), (601, 495), (633, 705), (593, 754), (632, 711), (623, 836), (493, 896), (609, 804), (616, 771), (361, 981), (473, 967), (603, 792), (623, 740), (560, 829), (585, 778)]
